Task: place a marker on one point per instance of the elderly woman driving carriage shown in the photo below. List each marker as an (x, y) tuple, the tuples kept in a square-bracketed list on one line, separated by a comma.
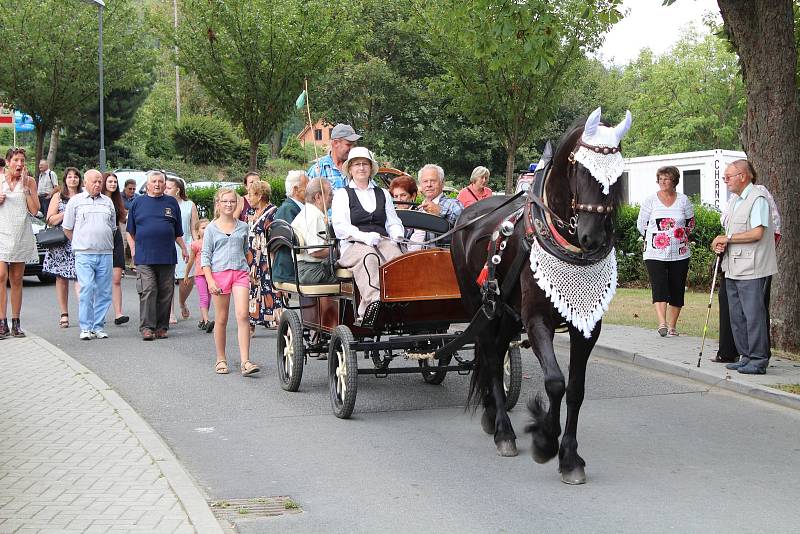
[(366, 224)]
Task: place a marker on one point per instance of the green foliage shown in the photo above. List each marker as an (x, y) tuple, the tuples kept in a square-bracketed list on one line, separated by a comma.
[(251, 55), (53, 74), (293, 151), (205, 140), (508, 63)]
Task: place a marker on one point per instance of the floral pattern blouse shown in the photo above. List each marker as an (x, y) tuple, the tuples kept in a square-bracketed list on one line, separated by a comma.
[(666, 229)]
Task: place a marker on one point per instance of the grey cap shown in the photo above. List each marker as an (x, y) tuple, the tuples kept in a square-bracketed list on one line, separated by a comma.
[(344, 131)]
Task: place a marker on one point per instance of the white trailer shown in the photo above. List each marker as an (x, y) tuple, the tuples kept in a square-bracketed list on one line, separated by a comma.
[(701, 174)]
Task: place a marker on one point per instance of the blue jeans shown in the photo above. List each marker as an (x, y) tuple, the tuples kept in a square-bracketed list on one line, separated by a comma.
[(94, 275)]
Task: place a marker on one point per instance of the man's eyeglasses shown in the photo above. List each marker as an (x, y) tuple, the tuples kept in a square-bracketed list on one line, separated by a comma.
[(726, 177)]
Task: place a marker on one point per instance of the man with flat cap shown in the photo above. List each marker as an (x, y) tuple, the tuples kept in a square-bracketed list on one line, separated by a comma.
[(343, 138)]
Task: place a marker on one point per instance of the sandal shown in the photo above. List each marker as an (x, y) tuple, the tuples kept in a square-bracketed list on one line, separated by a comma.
[(221, 368), (64, 321), (673, 333), (185, 312), (663, 330), (249, 368)]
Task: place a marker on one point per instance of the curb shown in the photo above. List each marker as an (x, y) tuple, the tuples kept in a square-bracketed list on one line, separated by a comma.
[(691, 372), (189, 494)]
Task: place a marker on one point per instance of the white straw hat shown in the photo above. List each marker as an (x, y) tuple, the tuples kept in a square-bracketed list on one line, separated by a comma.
[(359, 152)]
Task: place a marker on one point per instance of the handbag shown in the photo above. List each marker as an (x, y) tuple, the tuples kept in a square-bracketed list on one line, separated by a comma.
[(50, 237)]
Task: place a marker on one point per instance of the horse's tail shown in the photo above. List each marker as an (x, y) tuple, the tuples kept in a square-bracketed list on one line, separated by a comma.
[(480, 383)]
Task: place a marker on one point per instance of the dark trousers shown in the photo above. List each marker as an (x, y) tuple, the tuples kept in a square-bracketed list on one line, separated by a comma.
[(44, 204), (727, 346), (155, 285), (747, 303)]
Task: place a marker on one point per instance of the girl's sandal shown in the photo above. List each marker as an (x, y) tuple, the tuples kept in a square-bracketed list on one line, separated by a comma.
[(673, 332), (221, 368), (663, 330), (249, 368), (64, 321)]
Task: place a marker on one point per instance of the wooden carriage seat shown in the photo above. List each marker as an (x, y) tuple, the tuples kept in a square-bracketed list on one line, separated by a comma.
[(421, 275)]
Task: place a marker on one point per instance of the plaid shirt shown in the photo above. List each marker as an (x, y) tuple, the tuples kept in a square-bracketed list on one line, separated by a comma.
[(324, 168), (450, 209)]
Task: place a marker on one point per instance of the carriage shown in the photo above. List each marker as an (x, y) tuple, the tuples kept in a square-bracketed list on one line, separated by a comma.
[(413, 322)]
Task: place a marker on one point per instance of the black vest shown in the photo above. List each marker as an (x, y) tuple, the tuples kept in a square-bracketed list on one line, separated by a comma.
[(364, 220)]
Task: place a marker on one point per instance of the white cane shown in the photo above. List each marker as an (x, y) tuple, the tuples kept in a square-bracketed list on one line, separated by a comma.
[(708, 313)]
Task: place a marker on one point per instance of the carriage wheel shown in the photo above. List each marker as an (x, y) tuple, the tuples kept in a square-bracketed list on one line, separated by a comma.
[(430, 374), (342, 372), (512, 376), (291, 351)]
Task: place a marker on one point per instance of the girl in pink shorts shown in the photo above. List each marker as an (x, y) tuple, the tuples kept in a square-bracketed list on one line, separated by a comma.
[(199, 277), (225, 258)]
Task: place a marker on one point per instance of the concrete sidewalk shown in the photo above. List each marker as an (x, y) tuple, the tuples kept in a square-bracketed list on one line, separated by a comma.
[(75, 457), (678, 356)]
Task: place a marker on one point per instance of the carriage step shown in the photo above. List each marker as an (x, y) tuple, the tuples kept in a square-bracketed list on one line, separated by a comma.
[(462, 369)]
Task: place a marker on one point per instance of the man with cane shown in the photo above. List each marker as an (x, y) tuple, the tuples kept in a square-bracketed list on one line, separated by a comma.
[(749, 261)]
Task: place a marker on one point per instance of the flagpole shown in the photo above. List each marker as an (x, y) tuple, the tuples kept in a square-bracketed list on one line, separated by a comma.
[(310, 124)]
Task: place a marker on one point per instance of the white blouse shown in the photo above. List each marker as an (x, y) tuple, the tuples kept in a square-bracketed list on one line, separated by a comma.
[(666, 228)]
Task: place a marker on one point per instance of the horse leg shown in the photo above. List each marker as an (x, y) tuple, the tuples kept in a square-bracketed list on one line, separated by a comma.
[(570, 464), (545, 425), (495, 418)]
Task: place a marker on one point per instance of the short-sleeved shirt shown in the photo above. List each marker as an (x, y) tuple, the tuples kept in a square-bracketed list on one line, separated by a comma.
[(325, 168), (92, 221), (759, 213), (197, 247), (155, 222), (309, 223)]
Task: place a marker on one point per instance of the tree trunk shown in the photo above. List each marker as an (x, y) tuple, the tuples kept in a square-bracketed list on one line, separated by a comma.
[(253, 155), (55, 136), (40, 131), (762, 33), (511, 156), (276, 143)]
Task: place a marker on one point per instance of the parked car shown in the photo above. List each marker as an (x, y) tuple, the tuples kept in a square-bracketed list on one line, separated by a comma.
[(123, 175), (34, 268)]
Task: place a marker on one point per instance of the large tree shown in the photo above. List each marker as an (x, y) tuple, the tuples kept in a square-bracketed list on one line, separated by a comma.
[(251, 56), (50, 50), (508, 63), (763, 34)]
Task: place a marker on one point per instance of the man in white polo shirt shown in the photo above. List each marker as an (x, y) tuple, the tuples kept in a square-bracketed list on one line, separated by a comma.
[(90, 222), (314, 265)]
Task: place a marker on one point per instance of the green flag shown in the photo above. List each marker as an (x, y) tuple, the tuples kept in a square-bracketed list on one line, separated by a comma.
[(301, 100)]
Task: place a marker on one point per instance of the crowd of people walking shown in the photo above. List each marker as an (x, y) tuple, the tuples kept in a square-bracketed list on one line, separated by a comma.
[(226, 257)]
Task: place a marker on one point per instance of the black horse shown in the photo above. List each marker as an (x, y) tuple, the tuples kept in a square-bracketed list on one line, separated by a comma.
[(569, 214)]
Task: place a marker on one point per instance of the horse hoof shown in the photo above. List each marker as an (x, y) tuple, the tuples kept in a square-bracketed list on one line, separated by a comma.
[(538, 457), (575, 477), (487, 423), (507, 448)]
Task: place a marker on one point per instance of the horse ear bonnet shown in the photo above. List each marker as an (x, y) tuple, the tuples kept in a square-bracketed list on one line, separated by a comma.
[(604, 167)]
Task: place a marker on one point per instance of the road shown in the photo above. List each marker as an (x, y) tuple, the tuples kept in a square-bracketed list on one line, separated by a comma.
[(663, 454)]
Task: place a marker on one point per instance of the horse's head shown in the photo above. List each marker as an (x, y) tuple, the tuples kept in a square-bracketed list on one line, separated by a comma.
[(593, 165)]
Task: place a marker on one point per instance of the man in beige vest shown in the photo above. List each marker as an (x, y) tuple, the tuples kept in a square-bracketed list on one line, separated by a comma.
[(749, 262)]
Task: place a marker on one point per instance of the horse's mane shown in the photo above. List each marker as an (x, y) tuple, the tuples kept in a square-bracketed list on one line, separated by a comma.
[(559, 198)]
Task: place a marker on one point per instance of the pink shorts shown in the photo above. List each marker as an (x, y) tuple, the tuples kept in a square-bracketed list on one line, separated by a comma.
[(226, 280)]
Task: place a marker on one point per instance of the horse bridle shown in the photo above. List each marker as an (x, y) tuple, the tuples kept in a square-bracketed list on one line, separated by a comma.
[(543, 224)]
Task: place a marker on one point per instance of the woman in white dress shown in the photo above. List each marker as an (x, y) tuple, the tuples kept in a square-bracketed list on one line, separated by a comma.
[(18, 199), (189, 217)]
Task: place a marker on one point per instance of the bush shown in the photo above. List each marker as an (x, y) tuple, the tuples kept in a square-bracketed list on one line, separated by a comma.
[(205, 140), (293, 151)]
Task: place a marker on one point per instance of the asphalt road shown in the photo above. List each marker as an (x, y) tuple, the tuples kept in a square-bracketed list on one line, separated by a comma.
[(663, 454)]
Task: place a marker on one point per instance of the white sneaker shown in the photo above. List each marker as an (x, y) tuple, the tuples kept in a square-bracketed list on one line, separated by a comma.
[(87, 335), (100, 334)]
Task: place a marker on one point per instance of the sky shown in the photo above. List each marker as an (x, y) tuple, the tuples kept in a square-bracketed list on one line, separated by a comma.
[(649, 25)]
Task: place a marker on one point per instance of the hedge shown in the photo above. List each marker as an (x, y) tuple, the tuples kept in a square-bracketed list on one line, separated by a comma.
[(629, 243), (205, 140), (203, 197)]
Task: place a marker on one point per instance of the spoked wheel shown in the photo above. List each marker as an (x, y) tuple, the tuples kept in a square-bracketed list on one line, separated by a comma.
[(342, 372), (512, 376), (432, 375), (291, 351)]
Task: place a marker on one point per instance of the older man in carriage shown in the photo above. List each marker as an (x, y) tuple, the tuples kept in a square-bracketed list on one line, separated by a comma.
[(314, 266), (431, 185), (367, 226)]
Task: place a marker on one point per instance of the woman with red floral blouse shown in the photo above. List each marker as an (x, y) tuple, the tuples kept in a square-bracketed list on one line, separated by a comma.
[(666, 219)]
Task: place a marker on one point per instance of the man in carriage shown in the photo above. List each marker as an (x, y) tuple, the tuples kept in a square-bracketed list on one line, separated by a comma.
[(431, 185), (314, 266)]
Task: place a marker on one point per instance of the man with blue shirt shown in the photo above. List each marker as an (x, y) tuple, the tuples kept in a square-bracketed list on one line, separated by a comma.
[(129, 193), (154, 226), (749, 262), (89, 223), (343, 138)]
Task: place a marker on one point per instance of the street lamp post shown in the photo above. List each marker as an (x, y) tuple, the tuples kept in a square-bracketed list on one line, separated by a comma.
[(100, 6)]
